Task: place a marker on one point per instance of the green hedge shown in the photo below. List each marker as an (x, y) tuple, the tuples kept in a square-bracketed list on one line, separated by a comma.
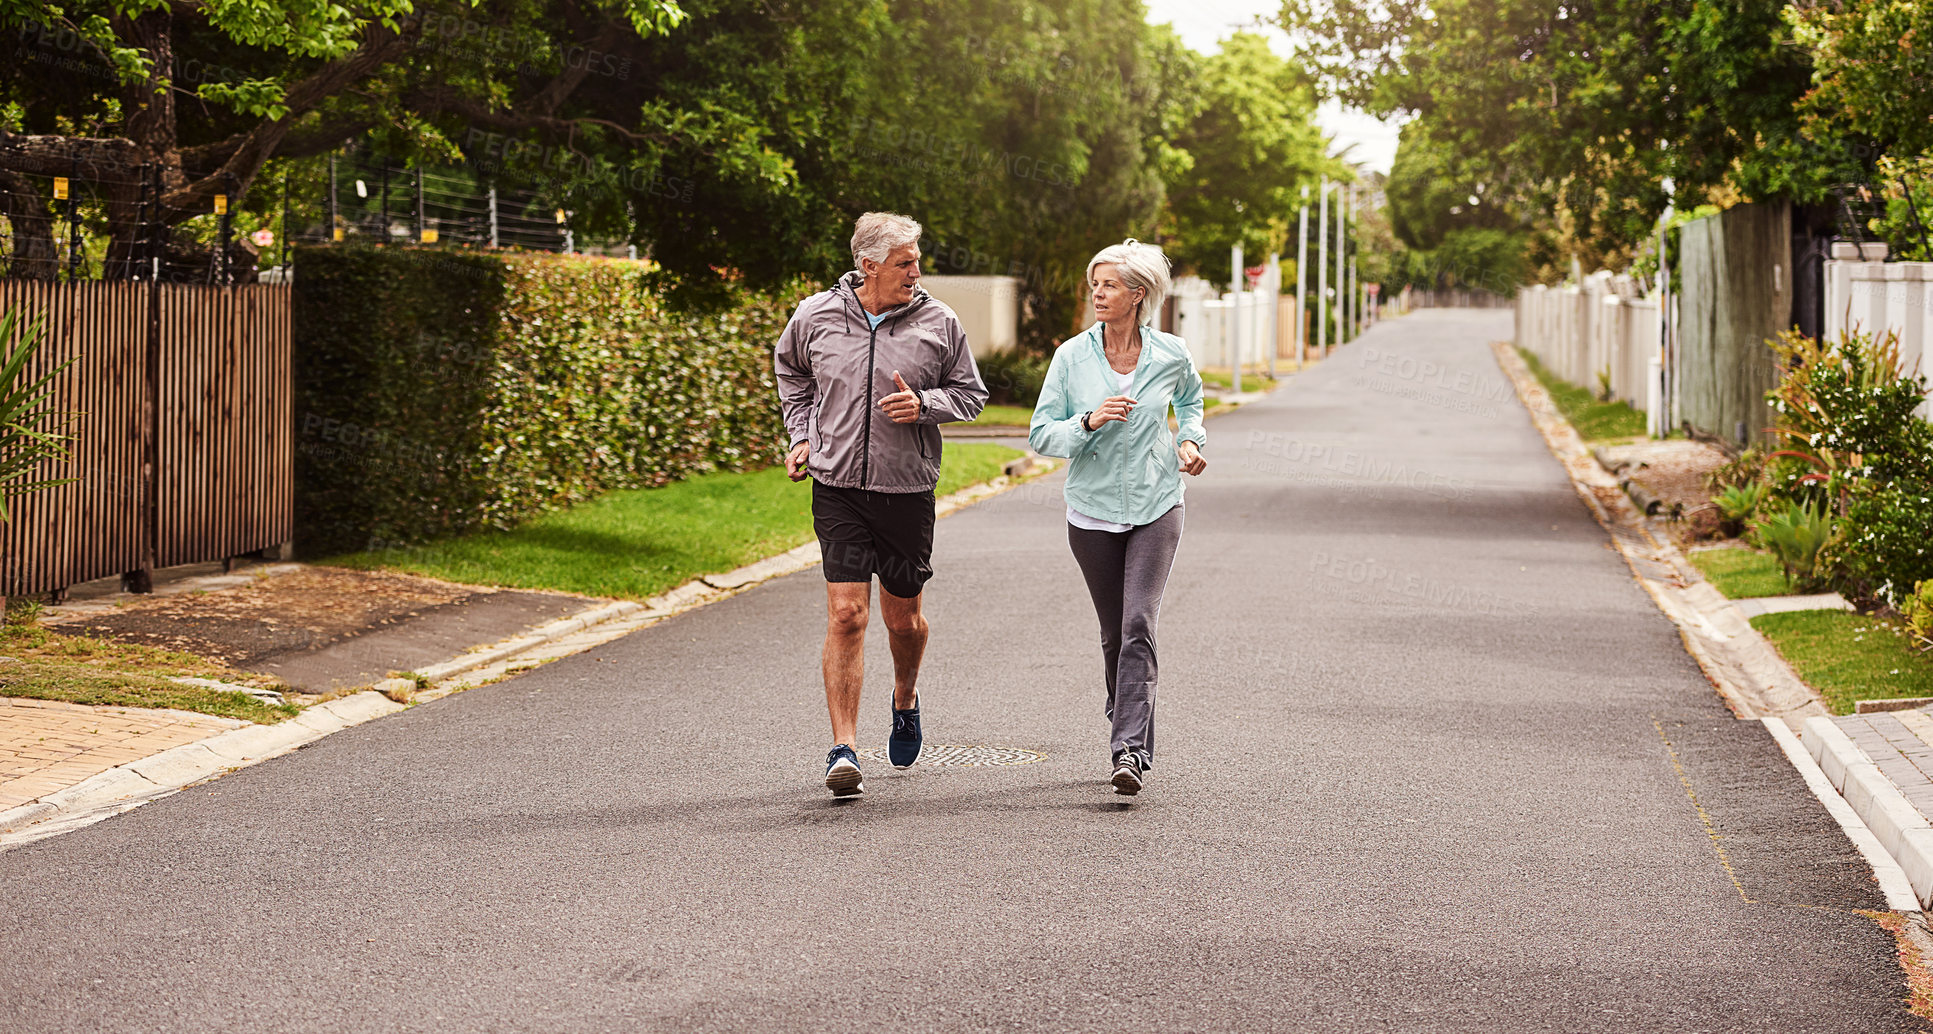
[(439, 391)]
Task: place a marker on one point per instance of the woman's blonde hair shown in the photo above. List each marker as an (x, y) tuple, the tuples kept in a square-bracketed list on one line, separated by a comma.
[(1143, 267)]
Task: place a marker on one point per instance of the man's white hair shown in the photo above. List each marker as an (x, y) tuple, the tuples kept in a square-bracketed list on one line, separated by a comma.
[(1142, 267), (876, 234)]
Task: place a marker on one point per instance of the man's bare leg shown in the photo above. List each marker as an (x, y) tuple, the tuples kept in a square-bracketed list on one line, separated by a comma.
[(848, 607), (906, 634)]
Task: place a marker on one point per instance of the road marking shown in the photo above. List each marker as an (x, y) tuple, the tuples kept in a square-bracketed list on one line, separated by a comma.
[(1711, 831)]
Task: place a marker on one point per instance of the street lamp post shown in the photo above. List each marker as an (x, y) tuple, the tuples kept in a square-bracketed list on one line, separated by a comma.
[(1342, 283), (1235, 313), (1355, 309), (1322, 270)]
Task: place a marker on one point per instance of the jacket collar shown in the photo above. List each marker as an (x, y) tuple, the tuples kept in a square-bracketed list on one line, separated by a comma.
[(848, 290), (1152, 345)]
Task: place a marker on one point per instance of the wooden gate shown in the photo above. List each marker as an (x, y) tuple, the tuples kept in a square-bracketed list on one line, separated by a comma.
[(179, 408)]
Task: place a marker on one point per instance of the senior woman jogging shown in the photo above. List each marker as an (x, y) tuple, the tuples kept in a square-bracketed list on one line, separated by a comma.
[(1105, 406)]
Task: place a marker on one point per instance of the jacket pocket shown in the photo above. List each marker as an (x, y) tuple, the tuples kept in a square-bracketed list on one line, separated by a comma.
[(931, 445)]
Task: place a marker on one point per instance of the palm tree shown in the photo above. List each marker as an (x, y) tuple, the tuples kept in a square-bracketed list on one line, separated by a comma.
[(24, 443)]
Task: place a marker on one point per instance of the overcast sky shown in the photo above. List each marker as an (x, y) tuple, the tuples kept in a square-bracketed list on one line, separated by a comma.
[(1203, 24)]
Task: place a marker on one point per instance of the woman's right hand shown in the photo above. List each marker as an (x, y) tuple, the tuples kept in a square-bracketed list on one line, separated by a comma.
[(1116, 408)]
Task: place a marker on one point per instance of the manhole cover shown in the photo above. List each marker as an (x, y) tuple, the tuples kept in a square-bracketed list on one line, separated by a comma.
[(952, 756)]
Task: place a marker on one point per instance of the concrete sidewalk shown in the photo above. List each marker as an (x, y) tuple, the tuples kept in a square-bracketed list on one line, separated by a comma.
[(47, 746)]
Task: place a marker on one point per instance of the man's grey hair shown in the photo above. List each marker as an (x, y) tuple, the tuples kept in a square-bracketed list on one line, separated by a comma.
[(1142, 267), (876, 234)]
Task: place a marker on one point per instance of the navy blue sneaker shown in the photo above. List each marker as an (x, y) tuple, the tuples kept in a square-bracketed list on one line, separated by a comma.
[(842, 772), (903, 743), (1127, 774)]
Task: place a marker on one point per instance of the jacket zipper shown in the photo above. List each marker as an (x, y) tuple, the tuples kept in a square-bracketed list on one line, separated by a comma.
[(866, 441)]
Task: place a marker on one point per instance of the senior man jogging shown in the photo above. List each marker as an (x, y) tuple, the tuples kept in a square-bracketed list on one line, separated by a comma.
[(867, 372)]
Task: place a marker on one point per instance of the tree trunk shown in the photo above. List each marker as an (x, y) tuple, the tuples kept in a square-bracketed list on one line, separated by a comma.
[(151, 126), (36, 254)]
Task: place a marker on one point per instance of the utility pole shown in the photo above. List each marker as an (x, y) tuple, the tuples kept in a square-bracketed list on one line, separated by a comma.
[(1353, 309), (1355, 298), (1235, 313), (1342, 285), (1301, 279), (1322, 270)]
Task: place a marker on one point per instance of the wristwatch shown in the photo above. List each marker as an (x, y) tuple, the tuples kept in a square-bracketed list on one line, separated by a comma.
[(1084, 425)]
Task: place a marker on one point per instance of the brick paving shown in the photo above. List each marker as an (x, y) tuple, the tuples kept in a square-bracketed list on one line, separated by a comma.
[(47, 746), (1901, 744)]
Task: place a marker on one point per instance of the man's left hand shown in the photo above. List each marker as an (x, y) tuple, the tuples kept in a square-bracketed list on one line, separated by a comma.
[(1191, 461), (903, 406)]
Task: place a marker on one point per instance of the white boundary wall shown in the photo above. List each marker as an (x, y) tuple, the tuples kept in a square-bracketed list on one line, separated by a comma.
[(1201, 319), (1882, 296), (1601, 326), (988, 307)]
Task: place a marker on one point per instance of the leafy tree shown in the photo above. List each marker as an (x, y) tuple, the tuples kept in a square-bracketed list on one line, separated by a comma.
[(1872, 71), (197, 96), (1436, 188), (1252, 145), (1042, 132), (1587, 111)]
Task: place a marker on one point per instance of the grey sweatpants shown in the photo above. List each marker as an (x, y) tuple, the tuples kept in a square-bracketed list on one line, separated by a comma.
[(1126, 573)]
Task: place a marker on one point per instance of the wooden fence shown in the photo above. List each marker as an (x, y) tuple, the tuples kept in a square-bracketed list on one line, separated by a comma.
[(1735, 294), (179, 404)]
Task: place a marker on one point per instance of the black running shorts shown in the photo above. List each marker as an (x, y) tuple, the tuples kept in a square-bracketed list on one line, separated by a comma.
[(862, 534)]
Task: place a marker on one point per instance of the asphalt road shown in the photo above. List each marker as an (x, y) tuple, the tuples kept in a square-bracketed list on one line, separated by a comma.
[(1429, 760)]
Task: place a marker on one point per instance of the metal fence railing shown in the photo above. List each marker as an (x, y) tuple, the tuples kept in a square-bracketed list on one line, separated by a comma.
[(110, 222)]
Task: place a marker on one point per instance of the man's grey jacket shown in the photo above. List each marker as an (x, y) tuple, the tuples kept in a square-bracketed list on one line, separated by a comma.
[(833, 367)]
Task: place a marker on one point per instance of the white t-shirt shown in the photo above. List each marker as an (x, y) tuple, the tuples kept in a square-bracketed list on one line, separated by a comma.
[(1081, 520)]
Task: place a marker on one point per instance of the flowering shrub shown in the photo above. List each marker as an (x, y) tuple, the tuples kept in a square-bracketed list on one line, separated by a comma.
[(1855, 445)]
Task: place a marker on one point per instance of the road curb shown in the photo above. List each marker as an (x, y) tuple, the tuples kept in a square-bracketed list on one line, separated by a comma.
[(477, 658), (1895, 823), (1893, 881)]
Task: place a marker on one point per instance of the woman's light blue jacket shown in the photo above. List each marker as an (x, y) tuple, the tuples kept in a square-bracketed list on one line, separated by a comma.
[(1123, 471)]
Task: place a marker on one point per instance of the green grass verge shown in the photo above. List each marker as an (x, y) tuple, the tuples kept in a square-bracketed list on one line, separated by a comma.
[(1594, 420), (45, 665), (1004, 416), (636, 544), (1741, 573), (1849, 657), (1252, 380)]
